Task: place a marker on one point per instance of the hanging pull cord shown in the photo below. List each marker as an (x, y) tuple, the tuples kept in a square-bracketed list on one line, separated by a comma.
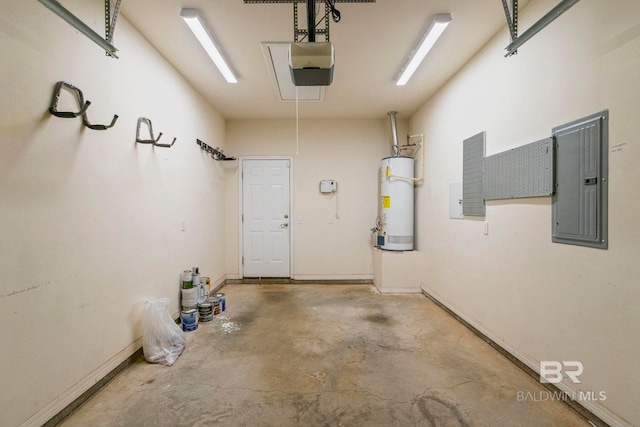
[(335, 13)]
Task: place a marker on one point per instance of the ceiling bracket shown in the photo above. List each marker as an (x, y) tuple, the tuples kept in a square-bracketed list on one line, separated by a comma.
[(518, 41), (110, 19), (75, 22), (512, 18), (299, 34), (329, 9)]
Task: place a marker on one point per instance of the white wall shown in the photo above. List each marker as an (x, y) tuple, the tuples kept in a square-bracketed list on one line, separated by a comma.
[(348, 151), (90, 222), (543, 301)]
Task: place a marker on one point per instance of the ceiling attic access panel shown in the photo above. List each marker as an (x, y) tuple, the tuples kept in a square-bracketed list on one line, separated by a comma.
[(580, 202)]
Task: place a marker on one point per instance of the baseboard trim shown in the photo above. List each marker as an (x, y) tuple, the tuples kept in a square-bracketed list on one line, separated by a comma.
[(297, 281), (390, 291), (53, 414), (595, 414), (363, 278)]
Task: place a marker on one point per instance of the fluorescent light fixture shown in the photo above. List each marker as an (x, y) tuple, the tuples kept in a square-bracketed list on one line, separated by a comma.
[(435, 30), (194, 22)]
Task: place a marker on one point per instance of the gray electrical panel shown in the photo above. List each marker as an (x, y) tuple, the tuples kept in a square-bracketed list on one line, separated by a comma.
[(525, 171), (473, 151), (580, 200)]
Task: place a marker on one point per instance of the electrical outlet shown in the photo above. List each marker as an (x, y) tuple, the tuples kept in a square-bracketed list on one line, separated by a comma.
[(330, 220), (300, 220)]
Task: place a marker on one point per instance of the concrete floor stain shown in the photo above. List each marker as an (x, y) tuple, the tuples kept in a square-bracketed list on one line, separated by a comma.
[(379, 319), (324, 355)]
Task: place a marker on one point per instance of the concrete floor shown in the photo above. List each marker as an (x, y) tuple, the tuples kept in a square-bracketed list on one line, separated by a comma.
[(326, 355)]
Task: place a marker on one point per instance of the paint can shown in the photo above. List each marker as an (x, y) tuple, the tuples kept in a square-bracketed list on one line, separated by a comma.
[(187, 279), (205, 310), (223, 301), (190, 298), (189, 320), (205, 283), (215, 303)]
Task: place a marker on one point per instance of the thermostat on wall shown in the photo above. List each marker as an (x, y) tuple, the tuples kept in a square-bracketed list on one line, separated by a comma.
[(328, 186)]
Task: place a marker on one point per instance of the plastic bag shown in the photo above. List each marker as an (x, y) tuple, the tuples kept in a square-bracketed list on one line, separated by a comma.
[(162, 339)]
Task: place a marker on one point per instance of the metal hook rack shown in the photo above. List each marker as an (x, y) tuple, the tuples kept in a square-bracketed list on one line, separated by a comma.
[(83, 105), (85, 121), (153, 139), (216, 153), (53, 108)]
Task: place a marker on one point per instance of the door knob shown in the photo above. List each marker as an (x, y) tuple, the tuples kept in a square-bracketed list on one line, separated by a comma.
[(284, 225)]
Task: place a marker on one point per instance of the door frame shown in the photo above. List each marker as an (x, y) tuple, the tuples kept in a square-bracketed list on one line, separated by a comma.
[(241, 160)]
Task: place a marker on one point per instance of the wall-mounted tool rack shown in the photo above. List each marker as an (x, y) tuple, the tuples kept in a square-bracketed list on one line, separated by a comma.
[(153, 140), (82, 105), (216, 153)]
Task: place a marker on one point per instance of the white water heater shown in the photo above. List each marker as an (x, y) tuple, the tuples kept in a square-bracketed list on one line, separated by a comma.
[(396, 203)]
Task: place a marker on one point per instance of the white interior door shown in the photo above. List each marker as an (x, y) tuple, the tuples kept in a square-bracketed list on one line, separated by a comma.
[(265, 218)]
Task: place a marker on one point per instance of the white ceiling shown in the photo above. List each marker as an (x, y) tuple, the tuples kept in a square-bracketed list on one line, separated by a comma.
[(372, 42)]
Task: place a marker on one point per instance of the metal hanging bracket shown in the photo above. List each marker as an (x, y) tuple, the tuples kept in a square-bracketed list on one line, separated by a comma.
[(309, 33), (512, 19), (83, 105), (110, 19), (153, 139), (74, 21), (164, 145), (512, 22), (87, 123)]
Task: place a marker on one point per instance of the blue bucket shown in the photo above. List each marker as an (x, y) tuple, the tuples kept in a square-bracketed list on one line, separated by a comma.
[(223, 301), (189, 320)]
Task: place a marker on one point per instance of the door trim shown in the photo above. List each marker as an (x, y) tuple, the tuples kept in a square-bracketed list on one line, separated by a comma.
[(241, 160)]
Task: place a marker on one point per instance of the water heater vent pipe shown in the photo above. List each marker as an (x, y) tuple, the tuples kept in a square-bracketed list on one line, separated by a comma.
[(418, 151), (394, 133)]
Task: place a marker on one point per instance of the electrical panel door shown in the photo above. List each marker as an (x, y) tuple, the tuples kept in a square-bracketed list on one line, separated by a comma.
[(580, 198)]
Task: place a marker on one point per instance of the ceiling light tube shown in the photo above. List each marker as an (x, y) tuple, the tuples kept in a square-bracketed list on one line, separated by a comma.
[(195, 24), (435, 30)]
